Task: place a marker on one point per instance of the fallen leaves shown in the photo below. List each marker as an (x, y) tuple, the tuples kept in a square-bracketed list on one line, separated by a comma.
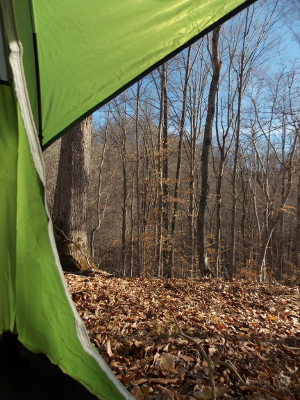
[(136, 335), (205, 393)]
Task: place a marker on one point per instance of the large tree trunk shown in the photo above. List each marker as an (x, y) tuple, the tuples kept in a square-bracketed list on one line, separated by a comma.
[(70, 201)]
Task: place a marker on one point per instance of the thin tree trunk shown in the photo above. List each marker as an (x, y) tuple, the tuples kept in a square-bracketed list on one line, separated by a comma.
[(163, 188), (165, 175), (99, 216), (281, 255), (124, 203), (179, 157), (297, 231), (218, 216), (261, 268), (138, 211), (204, 267), (159, 192)]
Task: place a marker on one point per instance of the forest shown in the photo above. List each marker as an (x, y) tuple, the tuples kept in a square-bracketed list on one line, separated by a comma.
[(194, 171)]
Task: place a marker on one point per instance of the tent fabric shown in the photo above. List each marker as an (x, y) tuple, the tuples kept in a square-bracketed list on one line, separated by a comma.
[(35, 300), (110, 43), (3, 70), (65, 58)]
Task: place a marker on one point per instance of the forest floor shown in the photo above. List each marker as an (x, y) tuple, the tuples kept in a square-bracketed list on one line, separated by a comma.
[(132, 324)]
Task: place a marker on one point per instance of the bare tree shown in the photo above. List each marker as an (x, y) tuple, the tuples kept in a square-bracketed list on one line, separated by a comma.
[(248, 48), (100, 192), (223, 127), (283, 111), (138, 209), (196, 113), (182, 122), (204, 267)]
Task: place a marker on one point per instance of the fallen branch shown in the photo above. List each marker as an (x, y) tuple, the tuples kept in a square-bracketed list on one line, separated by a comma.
[(75, 244), (243, 383), (217, 361), (207, 358)]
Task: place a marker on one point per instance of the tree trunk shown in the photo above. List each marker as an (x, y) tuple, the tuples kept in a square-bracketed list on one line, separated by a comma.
[(165, 176), (99, 215), (70, 200), (218, 217), (138, 209), (179, 158), (124, 202), (204, 268), (163, 187), (288, 165), (297, 231)]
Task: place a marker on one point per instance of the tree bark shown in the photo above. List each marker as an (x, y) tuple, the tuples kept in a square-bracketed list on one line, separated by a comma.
[(204, 267), (138, 208), (70, 200), (179, 157), (297, 230), (99, 215), (165, 176)]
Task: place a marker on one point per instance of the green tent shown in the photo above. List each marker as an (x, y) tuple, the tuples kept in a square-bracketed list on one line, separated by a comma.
[(59, 61)]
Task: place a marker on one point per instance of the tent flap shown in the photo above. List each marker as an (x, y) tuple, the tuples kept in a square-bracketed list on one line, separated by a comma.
[(97, 47)]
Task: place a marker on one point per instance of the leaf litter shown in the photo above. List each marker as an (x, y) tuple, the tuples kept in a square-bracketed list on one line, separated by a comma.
[(138, 338)]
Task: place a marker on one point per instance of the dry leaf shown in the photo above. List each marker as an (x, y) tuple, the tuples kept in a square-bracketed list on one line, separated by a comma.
[(167, 362), (108, 349), (146, 391), (187, 358), (139, 382), (137, 394), (205, 393)]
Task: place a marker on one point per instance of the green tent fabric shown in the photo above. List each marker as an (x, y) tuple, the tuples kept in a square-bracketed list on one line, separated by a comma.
[(60, 60)]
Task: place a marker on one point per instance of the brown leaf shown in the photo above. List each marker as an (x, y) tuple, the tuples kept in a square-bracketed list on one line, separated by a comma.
[(169, 395), (167, 362), (146, 391), (140, 381), (126, 380), (164, 381), (137, 394), (187, 358), (205, 393)]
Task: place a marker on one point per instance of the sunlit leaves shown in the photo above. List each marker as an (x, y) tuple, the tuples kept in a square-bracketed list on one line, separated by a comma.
[(136, 335)]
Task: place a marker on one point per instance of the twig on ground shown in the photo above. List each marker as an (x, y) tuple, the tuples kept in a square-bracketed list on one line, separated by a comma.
[(243, 383), (217, 361), (211, 365)]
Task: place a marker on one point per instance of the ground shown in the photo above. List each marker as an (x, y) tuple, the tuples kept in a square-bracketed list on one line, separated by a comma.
[(131, 323)]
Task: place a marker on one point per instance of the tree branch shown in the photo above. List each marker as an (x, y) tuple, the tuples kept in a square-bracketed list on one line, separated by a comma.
[(75, 244), (213, 364)]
